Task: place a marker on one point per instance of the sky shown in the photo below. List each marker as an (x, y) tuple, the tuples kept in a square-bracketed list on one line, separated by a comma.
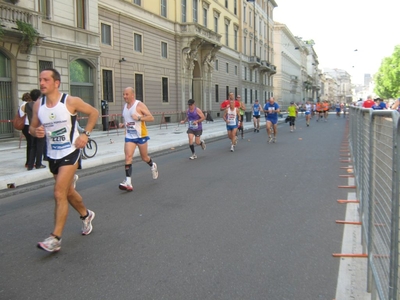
[(340, 27)]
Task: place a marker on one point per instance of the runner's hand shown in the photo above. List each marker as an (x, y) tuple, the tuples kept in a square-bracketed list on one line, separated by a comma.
[(40, 132), (81, 141)]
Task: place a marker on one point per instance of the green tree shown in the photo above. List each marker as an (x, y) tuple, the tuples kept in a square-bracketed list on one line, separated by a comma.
[(77, 73), (387, 79)]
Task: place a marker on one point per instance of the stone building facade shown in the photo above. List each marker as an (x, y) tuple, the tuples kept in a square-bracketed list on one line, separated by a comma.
[(169, 51)]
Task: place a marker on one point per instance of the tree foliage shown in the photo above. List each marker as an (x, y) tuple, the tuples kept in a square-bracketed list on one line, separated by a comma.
[(77, 72), (387, 80)]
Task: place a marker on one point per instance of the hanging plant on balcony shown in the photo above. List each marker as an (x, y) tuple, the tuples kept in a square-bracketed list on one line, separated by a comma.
[(29, 35)]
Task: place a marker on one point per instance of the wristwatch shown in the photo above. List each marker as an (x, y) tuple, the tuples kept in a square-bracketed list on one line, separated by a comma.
[(87, 133)]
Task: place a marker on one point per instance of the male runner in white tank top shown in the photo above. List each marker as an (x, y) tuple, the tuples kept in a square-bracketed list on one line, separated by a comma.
[(135, 115), (54, 117)]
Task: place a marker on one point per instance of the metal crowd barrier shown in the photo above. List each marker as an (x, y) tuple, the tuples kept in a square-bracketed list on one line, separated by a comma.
[(374, 137)]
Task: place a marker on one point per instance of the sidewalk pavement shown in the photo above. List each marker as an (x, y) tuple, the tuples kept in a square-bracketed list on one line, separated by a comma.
[(110, 149)]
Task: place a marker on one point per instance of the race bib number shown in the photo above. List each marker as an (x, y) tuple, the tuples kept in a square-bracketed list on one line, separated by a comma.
[(231, 119), (131, 128), (58, 139), (193, 126)]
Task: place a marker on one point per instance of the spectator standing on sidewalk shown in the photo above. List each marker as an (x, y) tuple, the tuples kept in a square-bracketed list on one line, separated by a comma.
[(37, 146), (135, 114), (54, 117), (271, 110), (194, 117), (26, 98), (368, 103), (379, 104), (396, 105), (256, 115), (231, 117)]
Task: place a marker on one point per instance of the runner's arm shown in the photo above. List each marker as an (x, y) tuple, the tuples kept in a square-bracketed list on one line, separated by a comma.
[(201, 115), (145, 116)]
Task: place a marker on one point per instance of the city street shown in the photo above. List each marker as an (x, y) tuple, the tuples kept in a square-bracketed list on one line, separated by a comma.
[(258, 223)]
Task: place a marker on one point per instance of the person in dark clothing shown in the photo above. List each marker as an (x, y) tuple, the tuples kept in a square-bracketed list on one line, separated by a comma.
[(37, 144), (25, 131)]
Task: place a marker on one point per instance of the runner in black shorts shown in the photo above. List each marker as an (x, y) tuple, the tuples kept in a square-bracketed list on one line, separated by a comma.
[(71, 159), (54, 117), (195, 117)]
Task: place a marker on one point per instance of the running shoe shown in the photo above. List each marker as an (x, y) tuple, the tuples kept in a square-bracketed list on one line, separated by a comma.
[(125, 186), (232, 148), (203, 145), (87, 223), (194, 156), (76, 177), (274, 141), (51, 244), (270, 139), (258, 130), (255, 130), (154, 171)]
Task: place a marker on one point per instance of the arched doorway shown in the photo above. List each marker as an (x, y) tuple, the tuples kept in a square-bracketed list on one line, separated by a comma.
[(6, 104), (197, 87), (81, 83)]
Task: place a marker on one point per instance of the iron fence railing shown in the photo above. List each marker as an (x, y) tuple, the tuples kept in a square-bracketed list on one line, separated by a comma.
[(374, 136)]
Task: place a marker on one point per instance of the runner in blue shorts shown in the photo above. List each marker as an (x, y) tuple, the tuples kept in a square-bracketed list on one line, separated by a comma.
[(231, 116), (135, 114), (271, 109)]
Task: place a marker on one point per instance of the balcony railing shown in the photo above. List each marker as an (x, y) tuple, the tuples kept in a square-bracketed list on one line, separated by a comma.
[(254, 61), (10, 14), (201, 31)]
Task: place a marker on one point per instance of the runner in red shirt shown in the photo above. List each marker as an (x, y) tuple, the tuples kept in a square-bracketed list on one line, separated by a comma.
[(225, 104)]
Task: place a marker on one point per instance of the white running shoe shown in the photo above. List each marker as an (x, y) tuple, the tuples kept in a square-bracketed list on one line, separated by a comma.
[(76, 177), (87, 223), (203, 145), (154, 171), (270, 139), (194, 156), (232, 148), (125, 186), (274, 141), (51, 244)]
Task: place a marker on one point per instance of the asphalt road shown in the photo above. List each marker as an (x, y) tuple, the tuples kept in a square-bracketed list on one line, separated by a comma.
[(258, 223)]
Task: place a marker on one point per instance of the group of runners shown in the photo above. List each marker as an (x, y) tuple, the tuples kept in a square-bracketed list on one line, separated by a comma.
[(233, 115), (55, 118)]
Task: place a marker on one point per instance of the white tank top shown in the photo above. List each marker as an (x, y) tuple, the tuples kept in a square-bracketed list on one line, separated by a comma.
[(60, 127), (232, 117), (134, 129)]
